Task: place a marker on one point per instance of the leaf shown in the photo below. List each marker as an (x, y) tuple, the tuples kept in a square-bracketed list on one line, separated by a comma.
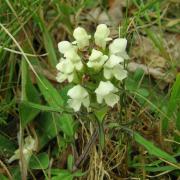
[(41, 161), (52, 97), (138, 74), (2, 177), (54, 123), (152, 149), (29, 93), (65, 174), (160, 169), (100, 114), (7, 147), (48, 41), (70, 162), (174, 102)]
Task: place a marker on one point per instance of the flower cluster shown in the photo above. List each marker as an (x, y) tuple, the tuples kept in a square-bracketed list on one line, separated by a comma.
[(85, 55)]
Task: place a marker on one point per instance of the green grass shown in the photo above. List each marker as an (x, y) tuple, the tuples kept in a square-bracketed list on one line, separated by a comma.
[(145, 143)]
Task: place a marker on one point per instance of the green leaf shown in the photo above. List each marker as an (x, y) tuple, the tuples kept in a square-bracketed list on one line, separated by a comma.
[(29, 93), (65, 174), (152, 149), (2, 177), (160, 168), (173, 103), (52, 97), (54, 123), (48, 41), (7, 147), (41, 161), (100, 114), (138, 74), (70, 162)]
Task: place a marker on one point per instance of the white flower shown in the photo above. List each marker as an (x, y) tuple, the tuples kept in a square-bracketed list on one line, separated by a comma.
[(118, 47), (28, 148), (106, 91), (66, 68), (96, 59), (81, 37), (112, 68), (69, 51), (79, 96), (101, 35), (64, 46)]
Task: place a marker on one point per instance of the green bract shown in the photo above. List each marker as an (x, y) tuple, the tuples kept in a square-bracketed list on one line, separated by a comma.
[(91, 62)]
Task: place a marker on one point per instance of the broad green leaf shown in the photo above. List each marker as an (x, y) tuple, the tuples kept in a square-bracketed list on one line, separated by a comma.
[(41, 161), (152, 149), (54, 123), (52, 97)]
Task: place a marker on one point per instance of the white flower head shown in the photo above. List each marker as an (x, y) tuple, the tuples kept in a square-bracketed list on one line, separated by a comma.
[(81, 37), (112, 68), (66, 68), (106, 91), (96, 59), (101, 35), (118, 47), (79, 96)]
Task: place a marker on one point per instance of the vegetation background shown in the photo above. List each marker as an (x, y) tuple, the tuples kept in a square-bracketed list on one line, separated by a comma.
[(143, 144)]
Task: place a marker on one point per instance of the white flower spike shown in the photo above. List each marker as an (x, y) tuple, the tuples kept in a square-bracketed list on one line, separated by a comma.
[(96, 59), (101, 35), (112, 68), (81, 37), (106, 91), (118, 47), (79, 96)]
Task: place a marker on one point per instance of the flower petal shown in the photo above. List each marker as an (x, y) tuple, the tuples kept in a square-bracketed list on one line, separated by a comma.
[(99, 99), (107, 73), (64, 46), (118, 45), (74, 104), (77, 92), (111, 99), (101, 35), (78, 66), (104, 88), (95, 55), (86, 102), (119, 72), (61, 77), (81, 37), (113, 61), (70, 77)]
